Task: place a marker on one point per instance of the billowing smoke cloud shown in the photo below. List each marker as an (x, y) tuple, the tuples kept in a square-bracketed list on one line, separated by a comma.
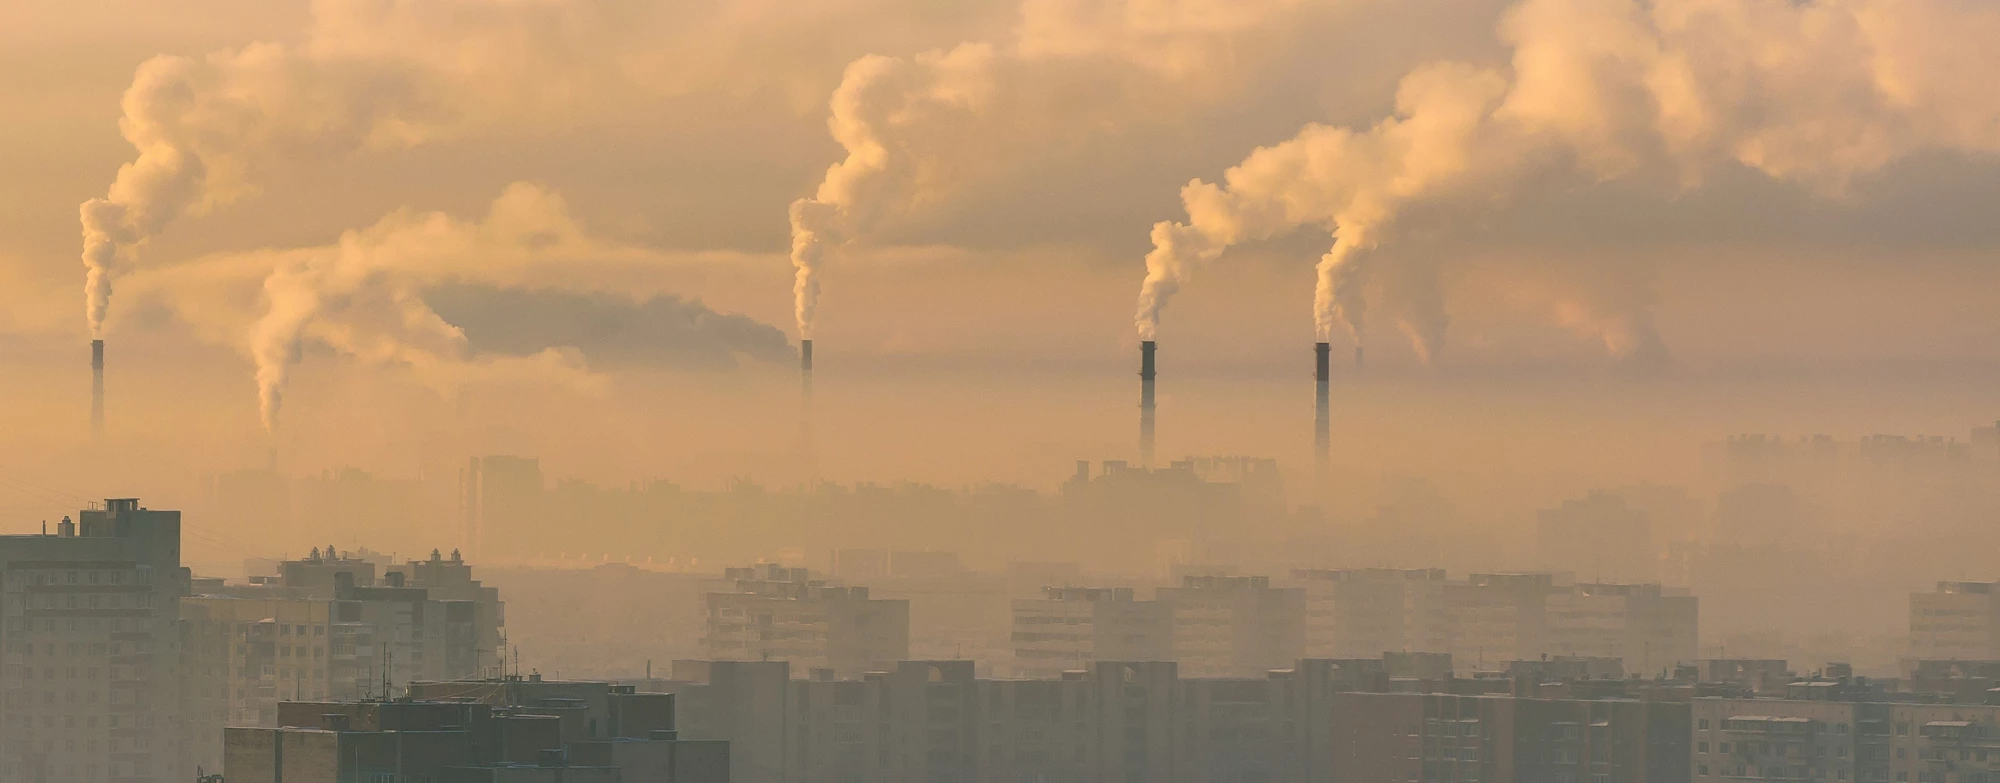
[(370, 74), (524, 293), (364, 296), (202, 126), (609, 330), (916, 127), (1667, 91)]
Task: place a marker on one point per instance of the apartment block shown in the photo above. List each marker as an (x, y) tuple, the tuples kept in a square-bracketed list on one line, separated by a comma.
[(1504, 739), (1364, 612), (1235, 626), (772, 613), (1648, 627), (90, 687), (1069, 627), (1857, 738), (1959, 621), (1317, 720), (509, 730), (330, 626), (1495, 618)]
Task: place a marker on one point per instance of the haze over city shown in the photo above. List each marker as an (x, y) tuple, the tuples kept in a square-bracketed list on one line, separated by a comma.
[(942, 320)]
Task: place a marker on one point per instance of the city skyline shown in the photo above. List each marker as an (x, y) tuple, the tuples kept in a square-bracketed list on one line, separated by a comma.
[(1069, 391)]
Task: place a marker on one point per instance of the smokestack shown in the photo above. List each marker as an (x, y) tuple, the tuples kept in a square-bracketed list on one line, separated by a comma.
[(1146, 375), (96, 388), (806, 401), (1357, 357), (1322, 405)]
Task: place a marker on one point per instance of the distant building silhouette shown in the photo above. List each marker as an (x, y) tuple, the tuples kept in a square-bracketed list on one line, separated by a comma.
[(773, 613)]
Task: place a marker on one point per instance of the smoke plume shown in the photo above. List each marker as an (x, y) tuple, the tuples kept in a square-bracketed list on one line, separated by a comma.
[(368, 74), (365, 296), (916, 128), (525, 292), (1668, 91)]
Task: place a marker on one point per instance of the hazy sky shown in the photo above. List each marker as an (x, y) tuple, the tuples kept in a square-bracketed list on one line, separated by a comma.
[(422, 230)]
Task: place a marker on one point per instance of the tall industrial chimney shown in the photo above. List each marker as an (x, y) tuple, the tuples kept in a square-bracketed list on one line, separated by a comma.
[(1146, 375), (1322, 405), (806, 364), (96, 387), (806, 400), (1357, 357)]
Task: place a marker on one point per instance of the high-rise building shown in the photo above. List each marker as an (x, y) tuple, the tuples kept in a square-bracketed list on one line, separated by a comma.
[(1364, 612), (245, 655), (449, 580), (1959, 621), (1503, 739), (327, 627), (1069, 627), (1496, 618), (90, 649), (1314, 721), (1235, 626), (773, 613), (512, 730)]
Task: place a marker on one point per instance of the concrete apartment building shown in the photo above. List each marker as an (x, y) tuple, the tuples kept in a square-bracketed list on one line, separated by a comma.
[(449, 579), (245, 655), (1235, 626), (1959, 621), (510, 730), (1142, 721), (90, 650), (1843, 740), (925, 721), (1494, 618), (1648, 627), (1836, 727), (1069, 627), (773, 613), (955, 612), (1447, 737), (326, 627), (1364, 612)]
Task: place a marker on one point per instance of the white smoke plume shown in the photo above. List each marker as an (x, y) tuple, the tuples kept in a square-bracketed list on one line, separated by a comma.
[(363, 297), (201, 127), (914, 128), (1816, 93), (371, 74), (368, 297)]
